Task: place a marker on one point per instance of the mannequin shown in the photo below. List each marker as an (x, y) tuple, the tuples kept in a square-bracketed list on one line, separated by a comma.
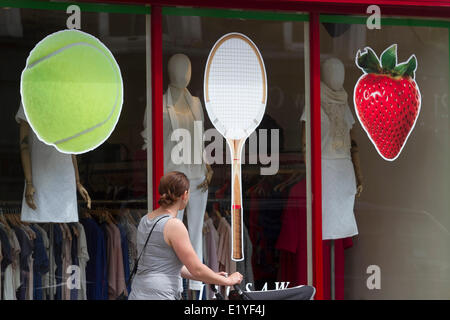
[(338, 144), (181, 111), (51, 179), (341, 171)]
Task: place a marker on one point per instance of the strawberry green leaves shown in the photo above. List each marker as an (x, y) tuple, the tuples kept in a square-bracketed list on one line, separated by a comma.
[(389, 58), (369, 63), (407, 68)]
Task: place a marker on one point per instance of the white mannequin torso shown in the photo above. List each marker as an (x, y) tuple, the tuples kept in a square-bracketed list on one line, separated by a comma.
[(183, 111), (338, 176)]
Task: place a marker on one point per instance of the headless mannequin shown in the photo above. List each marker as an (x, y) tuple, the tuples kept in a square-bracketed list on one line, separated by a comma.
[(179, 69), (332, 75), (26, 164), (179, 76)]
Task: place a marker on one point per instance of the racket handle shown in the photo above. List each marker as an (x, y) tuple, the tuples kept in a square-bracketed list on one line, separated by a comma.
[(237, 233), (236, 208)]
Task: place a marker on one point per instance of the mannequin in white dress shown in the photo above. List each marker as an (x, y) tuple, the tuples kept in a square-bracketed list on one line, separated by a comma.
[(51, 179), (341, 171), (183, 111)]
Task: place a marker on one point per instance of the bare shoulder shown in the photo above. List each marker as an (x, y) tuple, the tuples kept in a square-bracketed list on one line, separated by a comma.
[(173, 229), (175, 224)]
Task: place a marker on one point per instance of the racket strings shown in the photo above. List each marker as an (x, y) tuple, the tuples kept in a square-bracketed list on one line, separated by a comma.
[(236, 87)]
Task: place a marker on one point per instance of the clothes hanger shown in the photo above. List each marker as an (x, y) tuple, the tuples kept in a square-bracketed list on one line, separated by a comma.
[(129, 217), (69, 234), (12, 219), (4, 221)]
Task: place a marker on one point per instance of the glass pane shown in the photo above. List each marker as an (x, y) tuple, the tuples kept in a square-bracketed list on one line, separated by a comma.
[(400, 250), (114, 175), (273, 170)]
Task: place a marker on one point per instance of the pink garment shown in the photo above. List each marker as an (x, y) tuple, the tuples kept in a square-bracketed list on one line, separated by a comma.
[(116, 274), (224, 248), (292, 243), (292, 239)]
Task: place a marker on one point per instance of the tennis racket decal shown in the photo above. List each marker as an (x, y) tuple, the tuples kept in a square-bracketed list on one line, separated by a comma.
[(235, 93)]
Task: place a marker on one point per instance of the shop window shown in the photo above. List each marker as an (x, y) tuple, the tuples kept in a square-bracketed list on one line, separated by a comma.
[(114, 174), (399, 246), (273, 169)]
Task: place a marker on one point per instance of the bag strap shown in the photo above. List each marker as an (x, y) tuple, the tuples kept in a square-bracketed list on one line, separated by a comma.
[(143, 248)]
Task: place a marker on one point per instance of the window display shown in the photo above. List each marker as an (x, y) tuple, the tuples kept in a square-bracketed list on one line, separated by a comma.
[(402, 214), (235, 90), (320, 157), (339, 183), (68, 223), (271, 157)]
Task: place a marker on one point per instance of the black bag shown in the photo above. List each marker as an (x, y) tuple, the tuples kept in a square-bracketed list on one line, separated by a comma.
[(123, 296)]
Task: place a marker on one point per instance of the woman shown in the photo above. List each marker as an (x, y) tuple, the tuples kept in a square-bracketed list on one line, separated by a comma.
[(169, 254)]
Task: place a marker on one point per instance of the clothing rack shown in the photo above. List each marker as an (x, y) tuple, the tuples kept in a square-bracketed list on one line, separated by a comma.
[(10, 207)]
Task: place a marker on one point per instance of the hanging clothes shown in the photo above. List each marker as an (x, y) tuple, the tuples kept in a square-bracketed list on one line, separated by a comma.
[(116, 275), (40, 264), (50, 279), (245, 267), (43, 266), (292, 241), (226, 264), (58, 252), (75, 262), (66, 259), (131, 233), (125, 262), (96, 268), (83, 258), (211, 243), (37, 262), (25, 253), (6, 260)]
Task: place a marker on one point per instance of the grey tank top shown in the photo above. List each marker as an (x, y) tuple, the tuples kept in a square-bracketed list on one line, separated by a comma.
[(159, 270)]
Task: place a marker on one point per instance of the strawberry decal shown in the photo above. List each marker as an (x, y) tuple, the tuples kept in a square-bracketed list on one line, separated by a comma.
[(387, 99)]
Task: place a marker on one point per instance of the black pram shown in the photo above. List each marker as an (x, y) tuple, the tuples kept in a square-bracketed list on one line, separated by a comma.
[(295, 293)]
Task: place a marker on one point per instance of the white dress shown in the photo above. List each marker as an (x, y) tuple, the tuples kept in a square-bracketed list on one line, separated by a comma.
[(338, 175), (54, 182)]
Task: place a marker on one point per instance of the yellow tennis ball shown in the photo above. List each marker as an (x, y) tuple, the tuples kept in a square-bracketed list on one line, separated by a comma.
[(72, 91)]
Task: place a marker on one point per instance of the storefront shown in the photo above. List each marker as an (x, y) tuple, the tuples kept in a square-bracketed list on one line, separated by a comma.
[(369, 222)]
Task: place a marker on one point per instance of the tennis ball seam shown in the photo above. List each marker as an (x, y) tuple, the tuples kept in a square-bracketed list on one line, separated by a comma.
[(117, 91)]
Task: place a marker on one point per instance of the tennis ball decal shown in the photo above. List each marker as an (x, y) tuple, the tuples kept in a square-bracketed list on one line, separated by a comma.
[(72, 91)]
